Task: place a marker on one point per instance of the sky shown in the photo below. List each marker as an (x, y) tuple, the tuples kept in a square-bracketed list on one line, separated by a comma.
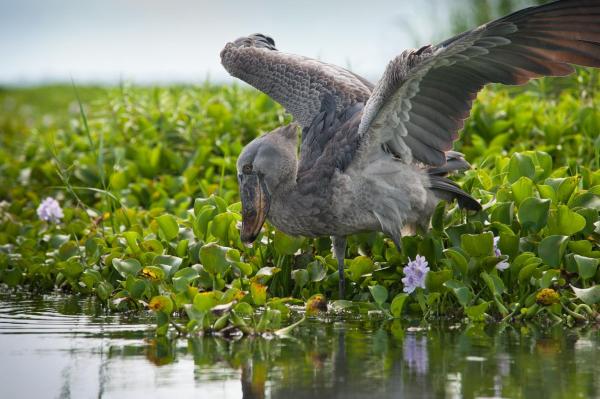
[(154, 42)]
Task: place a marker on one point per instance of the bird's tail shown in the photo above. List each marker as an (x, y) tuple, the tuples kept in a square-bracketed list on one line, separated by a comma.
[(445, 188)]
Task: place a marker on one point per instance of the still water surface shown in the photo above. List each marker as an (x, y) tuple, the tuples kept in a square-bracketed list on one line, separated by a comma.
[(65, 347)]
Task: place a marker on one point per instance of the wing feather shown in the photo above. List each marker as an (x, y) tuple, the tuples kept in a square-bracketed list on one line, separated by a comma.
[(424, 95), (296, 82)]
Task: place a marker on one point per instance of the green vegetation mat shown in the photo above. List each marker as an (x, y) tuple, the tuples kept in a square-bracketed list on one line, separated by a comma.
[(147, 213)]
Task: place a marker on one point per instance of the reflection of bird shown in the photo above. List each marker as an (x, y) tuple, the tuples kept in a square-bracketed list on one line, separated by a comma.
[(375, 158)]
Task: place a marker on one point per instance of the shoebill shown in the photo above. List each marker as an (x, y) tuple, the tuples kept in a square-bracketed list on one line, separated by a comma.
[(375, 158)]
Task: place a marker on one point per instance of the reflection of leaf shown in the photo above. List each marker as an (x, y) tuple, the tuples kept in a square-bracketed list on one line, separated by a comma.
[(590, 295)]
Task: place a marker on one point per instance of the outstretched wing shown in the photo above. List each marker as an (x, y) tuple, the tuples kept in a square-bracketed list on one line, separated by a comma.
[(420, 104), (296, 82)]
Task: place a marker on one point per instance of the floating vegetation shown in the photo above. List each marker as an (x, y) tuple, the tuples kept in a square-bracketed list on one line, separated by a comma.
[(131, 195)]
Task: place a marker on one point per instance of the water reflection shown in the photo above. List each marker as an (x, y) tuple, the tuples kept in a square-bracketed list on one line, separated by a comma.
[(67, 347)]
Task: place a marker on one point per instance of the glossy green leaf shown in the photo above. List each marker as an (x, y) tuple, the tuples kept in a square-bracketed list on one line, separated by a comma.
[(286, 245), (552, 249), (168, 228), (533, 213), (478, 245), (379, 293), (398, 304), (127, 267)]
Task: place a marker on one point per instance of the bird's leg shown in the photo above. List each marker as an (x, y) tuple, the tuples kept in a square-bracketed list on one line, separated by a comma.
[(339, 250)]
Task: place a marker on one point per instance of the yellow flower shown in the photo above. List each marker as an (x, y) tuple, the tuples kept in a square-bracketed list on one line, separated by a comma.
[(547, 297)]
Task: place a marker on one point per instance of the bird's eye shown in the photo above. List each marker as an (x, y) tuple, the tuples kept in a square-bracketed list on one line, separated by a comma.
[(247, 169)]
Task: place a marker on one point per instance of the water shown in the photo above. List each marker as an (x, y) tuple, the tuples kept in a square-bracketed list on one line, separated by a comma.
[(64, 347)]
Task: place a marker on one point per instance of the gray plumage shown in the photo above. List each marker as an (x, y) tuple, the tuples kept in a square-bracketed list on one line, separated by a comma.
[(296, 82), (375, 158)]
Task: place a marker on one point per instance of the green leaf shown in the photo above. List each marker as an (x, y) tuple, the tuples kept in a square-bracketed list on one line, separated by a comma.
[(590, 295), (316, 271), (478, 245), (493, 282), (398, 304), (170, 264), (300, 276), (205, 301), (460, 290), (503, 212), (167, 227), (523, 188), (564, 221), (219, 227), (552, 249), (477, 312), (135, 286), (360, 266), (563, 187), (533, 213), (508, 244), (104, 290), (182, 278), (458, 261), (379, 293), (437, 219), (152, 246), (127, 267), (434, 281), (243, 309), (586, 267), (286, 245), (214, 258), (520, 165)]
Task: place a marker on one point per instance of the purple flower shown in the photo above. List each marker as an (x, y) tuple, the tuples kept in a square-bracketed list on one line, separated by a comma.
[(414, 274), (415, 353), (501, 265), (50, 210)]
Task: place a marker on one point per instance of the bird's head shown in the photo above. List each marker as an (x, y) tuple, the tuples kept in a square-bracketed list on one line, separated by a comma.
[(267, 165)]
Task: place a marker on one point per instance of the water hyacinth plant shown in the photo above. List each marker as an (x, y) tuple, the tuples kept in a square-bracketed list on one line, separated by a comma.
[(150, 213)]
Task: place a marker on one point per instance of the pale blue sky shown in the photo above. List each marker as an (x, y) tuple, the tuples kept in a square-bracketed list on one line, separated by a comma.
[(152, 41)]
